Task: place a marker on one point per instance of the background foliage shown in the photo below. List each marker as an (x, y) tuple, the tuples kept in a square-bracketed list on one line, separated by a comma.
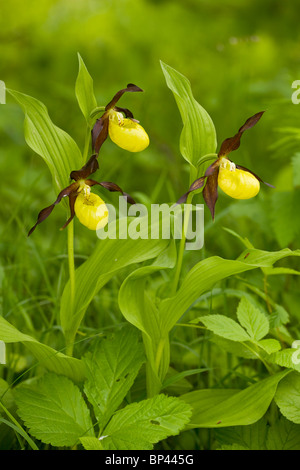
[(241, 58)]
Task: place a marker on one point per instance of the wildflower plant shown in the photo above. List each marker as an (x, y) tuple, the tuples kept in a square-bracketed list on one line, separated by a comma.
[(91, 399)]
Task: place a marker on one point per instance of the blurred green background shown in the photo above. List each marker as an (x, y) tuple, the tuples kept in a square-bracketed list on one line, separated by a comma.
[(241, 57)]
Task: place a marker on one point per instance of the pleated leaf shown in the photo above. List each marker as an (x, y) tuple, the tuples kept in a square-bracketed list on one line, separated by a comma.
[(48, 357), (55, 146), (84, 90), (198, 137), (219, 408)]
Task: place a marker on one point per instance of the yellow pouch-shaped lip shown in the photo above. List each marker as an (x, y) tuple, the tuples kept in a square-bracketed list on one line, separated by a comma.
[(127, 134), (91, 211), (236, 183)]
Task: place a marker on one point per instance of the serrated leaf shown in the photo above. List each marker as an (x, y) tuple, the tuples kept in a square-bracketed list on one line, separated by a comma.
[(54, 410), (252, 437), (269, 345), (111, 370), (288, 358), (55, 146), (140, 425), (205, 274), (283, 435), (241, 408), (252, 319), (233, 347), (91, 443), (198, 137), (225, 327), (53, 360), (288, 397), (84, 90)]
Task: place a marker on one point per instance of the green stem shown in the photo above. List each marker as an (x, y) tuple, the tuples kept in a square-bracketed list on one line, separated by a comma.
[(86, 144), (181, 246), (69, 340), (18, 427), (193, 176)]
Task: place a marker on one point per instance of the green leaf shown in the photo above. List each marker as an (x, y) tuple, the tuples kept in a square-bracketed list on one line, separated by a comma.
[(269, 345), (54, 410), (138, 307), (252, 437), (91, 443), (48, 357), (84, 90), (140, 425), (225, 327), (111, 370), (237, 408), (233, 347), (288, 397), (252, 319), (109, 257), (198, 137), (288, 358), (205, 274), (54, 145), (283, 435)]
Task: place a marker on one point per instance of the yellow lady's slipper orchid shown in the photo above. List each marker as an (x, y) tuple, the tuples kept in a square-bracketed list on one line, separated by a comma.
[(236, 181), (91, 210), (126, 132)]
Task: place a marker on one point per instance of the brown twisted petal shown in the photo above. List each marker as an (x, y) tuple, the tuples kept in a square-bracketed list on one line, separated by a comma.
[(72, 199), (257, 177), (111, 187), (99, 133), (47, 211), (198, 183), (233, 143), (88, 169), (210, 192), (130, 87)]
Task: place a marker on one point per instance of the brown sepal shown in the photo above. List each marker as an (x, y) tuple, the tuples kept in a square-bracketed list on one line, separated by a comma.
[(210, 192), (47, 211), (233, 143), (112, 187)]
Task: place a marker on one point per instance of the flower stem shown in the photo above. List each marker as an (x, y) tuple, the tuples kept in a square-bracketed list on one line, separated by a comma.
[(181, 246), (69, 341), (193, 176)]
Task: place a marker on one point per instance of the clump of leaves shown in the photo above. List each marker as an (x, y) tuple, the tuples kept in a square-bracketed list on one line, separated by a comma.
[(56, 412)]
